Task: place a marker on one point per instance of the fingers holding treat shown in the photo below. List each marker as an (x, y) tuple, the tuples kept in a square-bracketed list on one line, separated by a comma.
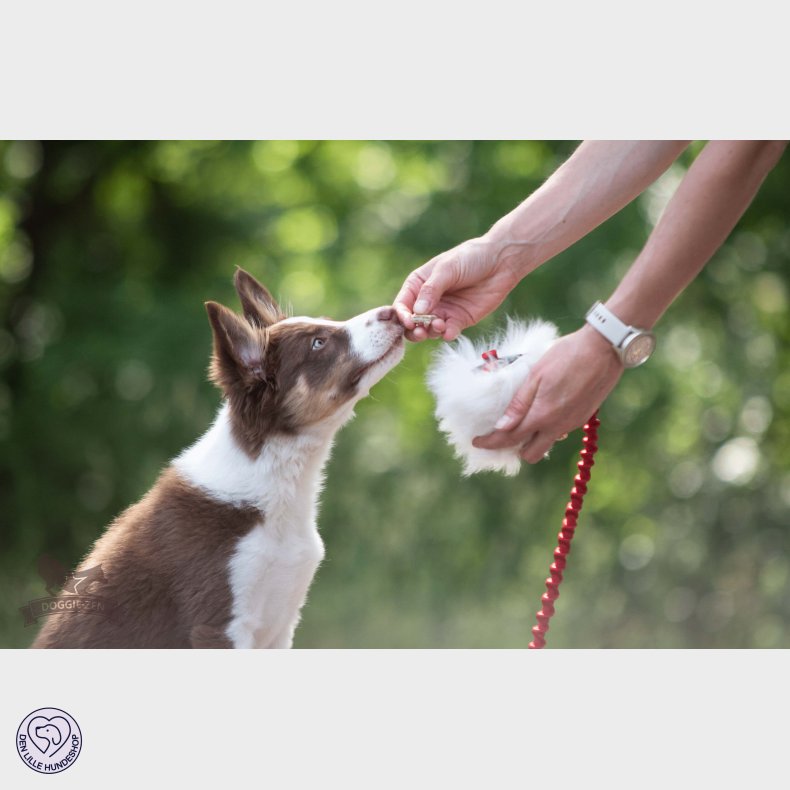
[(425, 326)]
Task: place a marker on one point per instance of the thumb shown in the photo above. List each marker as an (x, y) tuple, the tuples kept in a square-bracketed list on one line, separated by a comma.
[(518, 407), (440, 279)]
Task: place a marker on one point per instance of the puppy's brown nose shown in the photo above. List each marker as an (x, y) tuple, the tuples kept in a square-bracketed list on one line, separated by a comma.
[(386, 314)]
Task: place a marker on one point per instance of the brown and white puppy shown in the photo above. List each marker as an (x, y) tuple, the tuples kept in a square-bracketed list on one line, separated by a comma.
[(222, 550)]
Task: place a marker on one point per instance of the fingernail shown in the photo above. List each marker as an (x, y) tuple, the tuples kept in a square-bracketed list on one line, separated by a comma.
[(421, 306), (503, 422)]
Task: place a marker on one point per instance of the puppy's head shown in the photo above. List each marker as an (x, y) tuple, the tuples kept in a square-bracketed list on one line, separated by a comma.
[(284, 375)]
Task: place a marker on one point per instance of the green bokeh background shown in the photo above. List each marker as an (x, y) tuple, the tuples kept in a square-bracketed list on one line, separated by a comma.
[(109, 249)]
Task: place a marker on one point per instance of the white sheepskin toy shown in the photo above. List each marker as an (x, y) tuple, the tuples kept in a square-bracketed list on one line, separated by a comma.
[(470, 399)]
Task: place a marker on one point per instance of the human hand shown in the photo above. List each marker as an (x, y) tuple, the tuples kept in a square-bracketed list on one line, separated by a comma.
[(566, 385), (460, 286)]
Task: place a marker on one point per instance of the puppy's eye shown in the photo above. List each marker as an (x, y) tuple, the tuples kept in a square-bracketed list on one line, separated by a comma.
[(319, 343)]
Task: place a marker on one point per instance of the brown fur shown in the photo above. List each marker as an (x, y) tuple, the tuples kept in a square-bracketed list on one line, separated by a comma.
[(165, 560)]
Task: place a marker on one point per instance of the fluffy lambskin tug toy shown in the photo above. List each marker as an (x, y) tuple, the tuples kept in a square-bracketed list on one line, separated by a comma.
[(471, 395)]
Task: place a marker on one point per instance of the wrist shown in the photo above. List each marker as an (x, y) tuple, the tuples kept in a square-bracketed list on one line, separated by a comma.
[(598, 344), (518, 255), (629, 309)]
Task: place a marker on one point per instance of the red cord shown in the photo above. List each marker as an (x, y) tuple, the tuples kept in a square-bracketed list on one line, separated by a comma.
[(566, 534)]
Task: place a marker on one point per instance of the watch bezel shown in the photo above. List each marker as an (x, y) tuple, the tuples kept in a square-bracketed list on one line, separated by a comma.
[(638, 334)]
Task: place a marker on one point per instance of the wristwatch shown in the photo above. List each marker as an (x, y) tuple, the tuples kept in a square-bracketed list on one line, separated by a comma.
[(632, 344)]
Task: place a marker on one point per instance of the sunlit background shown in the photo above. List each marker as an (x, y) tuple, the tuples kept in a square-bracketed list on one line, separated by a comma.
[(108, 251)]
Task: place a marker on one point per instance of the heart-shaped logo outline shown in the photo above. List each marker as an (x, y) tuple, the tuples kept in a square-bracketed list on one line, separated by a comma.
[(38, 723), (28, 748)]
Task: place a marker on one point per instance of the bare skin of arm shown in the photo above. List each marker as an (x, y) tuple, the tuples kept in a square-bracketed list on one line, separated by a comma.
[(464, 284), (574, 377)]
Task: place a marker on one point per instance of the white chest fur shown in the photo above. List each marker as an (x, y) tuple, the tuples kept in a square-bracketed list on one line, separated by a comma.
[(271, 567), (269, 578)]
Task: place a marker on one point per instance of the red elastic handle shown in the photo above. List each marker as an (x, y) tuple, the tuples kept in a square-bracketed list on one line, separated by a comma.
[(566, 534)]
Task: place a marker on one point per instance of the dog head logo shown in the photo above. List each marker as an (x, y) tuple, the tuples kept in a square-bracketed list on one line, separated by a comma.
[(48, 740), (49, 735)]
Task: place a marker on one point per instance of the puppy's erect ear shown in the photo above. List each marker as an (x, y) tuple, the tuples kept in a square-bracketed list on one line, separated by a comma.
[(239, 351), (259, 306)]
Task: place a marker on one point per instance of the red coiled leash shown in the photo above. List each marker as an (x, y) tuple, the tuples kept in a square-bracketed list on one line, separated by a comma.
[(569, 523), (565, 537)]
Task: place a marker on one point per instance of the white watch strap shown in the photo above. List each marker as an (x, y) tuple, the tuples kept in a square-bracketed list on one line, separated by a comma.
[(608, 324)]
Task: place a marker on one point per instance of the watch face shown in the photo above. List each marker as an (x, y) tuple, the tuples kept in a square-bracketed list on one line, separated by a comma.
[(638, 349)]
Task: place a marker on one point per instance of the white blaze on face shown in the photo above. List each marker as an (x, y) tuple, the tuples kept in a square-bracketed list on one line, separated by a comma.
[(371, 338)]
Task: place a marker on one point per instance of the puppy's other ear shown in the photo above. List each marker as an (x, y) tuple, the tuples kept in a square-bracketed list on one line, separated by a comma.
[(259, 306), (239, 351)]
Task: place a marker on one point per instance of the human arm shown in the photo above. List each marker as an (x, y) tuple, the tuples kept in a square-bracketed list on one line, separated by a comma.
[(466, 283), (572, 379)]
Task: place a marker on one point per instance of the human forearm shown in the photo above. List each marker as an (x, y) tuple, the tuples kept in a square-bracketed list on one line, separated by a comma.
[(464, 284), (599, 179), (711, 199)]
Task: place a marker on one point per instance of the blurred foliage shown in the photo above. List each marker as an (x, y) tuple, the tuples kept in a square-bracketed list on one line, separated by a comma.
[(108, 251)]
